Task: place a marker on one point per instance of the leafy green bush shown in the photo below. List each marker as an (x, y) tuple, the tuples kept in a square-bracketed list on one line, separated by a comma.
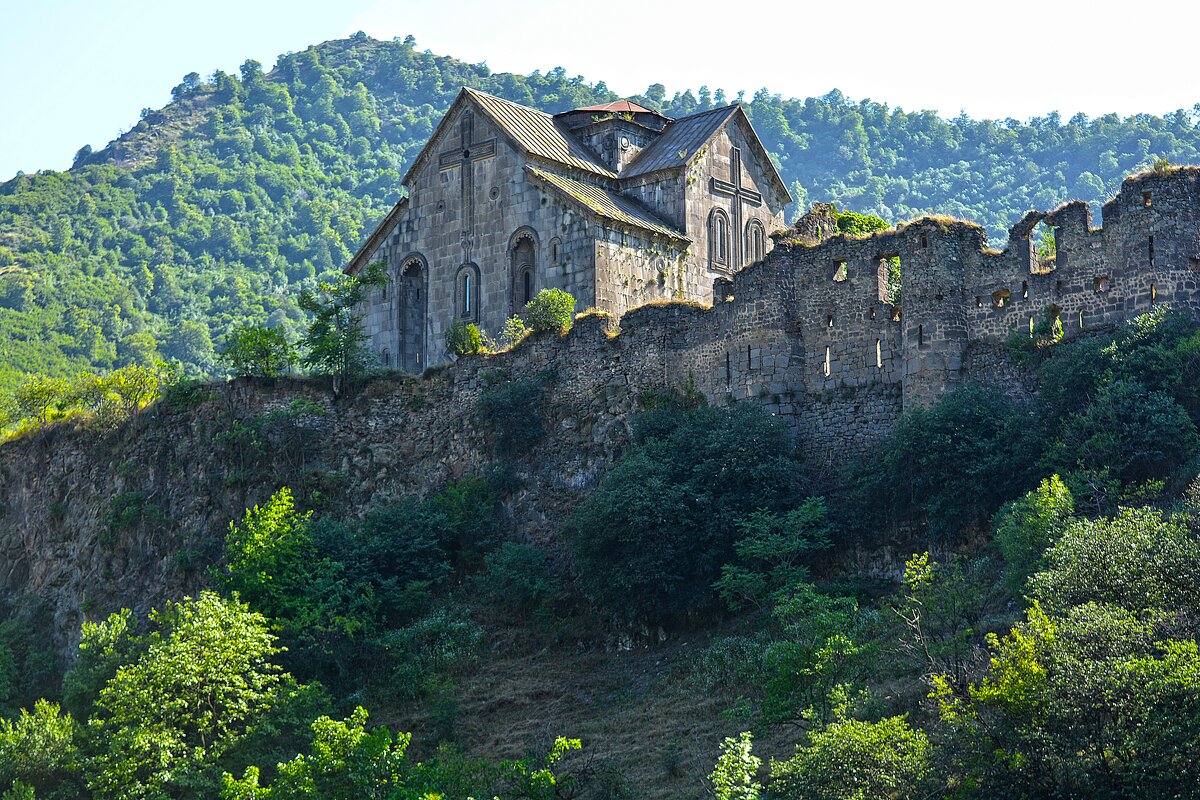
[(464, 339), (512, 410), (517, 579), (255, 349), (444, 642), (550, 310), (1024, 528), (651, 540), (770, 553), (947, 467), (734, 777), (855, 760), (1136, 560), (38, 749), (514, 330)]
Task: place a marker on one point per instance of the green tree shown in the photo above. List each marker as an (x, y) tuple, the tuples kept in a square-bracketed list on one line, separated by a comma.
[(1024, 528), (855, 760), (651, 540), (734, 777), (257, 350), (334, 339), (464, 339), (164, 722), (38, 749)]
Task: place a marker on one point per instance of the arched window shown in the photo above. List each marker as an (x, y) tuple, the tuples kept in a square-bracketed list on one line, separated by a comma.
[(466, 293), (411, 306), (756, 241), (523, 250), (556, 252), (718, 237)]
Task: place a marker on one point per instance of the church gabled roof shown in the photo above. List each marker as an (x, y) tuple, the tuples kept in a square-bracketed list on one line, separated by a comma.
[(619, 107), (605, 204), (532, 131), (686, 136)]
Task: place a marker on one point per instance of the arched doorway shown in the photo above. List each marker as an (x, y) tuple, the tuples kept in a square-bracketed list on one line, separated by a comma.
[(411, 297)]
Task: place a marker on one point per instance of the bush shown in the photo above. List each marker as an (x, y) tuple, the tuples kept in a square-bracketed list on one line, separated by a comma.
[(1137, 560), (257, 350), (550, 310), (855, 760), (651, 540), (464, 339), (518, 578), (1025, 528), (514, 330), (948, 467), (511, 409)]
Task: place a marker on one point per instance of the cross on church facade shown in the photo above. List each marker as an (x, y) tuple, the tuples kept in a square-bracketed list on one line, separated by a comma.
[(463, 157), (740, 194)]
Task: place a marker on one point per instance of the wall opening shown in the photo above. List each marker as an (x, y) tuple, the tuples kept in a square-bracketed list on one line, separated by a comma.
[(1147, 201), (728, 371), (1058, 287), (831, 320), (840, 272), (889, 276), (1024, 290), (871, 313), (924, 241), (1031, 326), (1194, 263), (1151, 249), (825, 369), (1153, 294), (1000, 298), (523, 257), (978, 301), (1100, 283), (1081, 322), (879, 354), (897, 313), (410, 300), (920, 336), (1046, 250)]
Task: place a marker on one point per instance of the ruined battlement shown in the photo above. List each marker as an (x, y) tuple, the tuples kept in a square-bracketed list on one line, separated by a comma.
[(820, 334)]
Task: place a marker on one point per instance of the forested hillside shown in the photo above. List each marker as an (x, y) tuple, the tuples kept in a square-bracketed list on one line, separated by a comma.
[(221, 207)]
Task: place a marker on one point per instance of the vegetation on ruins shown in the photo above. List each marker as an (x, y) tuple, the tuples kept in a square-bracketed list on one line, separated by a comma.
[(550, 310)]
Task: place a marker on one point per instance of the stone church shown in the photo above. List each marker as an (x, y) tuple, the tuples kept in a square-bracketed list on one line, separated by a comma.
[(616, 204)]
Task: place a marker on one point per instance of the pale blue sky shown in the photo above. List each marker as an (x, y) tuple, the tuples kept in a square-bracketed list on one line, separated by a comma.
[(75, 72)]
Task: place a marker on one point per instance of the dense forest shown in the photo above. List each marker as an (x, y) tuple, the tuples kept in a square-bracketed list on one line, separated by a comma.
[(223, 206)]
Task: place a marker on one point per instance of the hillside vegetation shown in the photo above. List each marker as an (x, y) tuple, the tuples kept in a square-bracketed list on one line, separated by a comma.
[(220, 208), (1040, 643)]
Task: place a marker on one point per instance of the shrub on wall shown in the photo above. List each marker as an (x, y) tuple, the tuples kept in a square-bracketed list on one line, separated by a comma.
[(550, 310), (464, 339)]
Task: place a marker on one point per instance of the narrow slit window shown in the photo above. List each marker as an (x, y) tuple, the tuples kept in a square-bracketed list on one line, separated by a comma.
[(978, 302), (831, 320), (728, 371), (825, 369), (467, 309), (920, 336), (1147, 201), (879, 354), (1031, 326), (1153, 294), (1024, 290), (1081, 323), (1151, 249)]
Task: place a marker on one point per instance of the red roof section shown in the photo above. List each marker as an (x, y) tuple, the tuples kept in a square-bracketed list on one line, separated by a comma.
[(619, 107)]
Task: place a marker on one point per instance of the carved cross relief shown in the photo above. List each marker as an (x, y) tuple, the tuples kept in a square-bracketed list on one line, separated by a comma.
[(463, 157), (740, 194)]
